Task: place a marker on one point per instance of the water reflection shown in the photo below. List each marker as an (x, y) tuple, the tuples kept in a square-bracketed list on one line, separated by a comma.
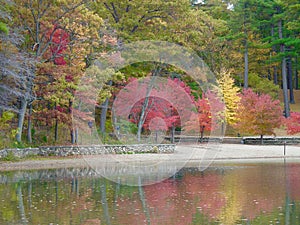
[(253, 194)]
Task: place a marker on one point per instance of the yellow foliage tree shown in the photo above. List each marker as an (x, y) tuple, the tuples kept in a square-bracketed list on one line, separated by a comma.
[(230, 95)]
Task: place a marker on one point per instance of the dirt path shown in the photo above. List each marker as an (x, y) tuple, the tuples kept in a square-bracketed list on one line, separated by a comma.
[(191, 155)]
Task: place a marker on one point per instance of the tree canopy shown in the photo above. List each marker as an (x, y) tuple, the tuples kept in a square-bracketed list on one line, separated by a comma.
[(48, 47)]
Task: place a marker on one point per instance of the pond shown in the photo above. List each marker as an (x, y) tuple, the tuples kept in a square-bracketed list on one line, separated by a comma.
[(222, 194)]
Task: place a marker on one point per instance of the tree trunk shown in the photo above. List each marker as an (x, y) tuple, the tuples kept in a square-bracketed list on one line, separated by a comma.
[(73, 136), (146, 104), (290, 79), (283, 73), (246, 58), (72, 129), (103, 115), (269, 75), (223, 128), (56, 130), (142, 117), (29, 133), (285, 89), (104, 108), (275, 74), (173, 134), (296, 74), (246, 66), (21, 117), (202, 134), (261, 139), (76, 134)]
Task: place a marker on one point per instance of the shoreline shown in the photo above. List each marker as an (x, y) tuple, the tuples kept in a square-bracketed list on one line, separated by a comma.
[(186, 156)]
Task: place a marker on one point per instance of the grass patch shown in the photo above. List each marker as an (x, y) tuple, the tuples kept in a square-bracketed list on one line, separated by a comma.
[(10, 157)]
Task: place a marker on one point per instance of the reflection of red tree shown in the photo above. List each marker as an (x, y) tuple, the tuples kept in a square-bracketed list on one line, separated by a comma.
[(257, 190), (207, 190), (129, 210), (293, 175), (175, 202), (91, 222), (165, 203)]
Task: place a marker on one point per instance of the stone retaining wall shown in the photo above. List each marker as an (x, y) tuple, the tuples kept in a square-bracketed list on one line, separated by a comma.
[(267, 140), (271, 140), (19, 153), (88, 150)]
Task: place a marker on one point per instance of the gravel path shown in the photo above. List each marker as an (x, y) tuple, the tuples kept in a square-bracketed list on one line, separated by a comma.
[(189, 155)]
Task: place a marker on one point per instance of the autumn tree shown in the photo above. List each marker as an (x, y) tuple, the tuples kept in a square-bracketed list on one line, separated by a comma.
[(293, 123), (258, 114), (204, 115), (143, 100), (172, 21), (56, 34), (16, 69), (209, 114), (36, 18), (6, 132), (231, 96)]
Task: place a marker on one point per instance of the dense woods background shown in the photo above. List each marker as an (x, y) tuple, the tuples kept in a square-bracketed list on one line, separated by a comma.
[(46, 47)]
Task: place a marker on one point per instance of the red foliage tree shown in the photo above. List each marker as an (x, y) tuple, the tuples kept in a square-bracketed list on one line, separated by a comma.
[(144, 100), (158, 108), (258, 114), (209, 113), (59, 43), (204, 115), (55, 82), (293, 123)]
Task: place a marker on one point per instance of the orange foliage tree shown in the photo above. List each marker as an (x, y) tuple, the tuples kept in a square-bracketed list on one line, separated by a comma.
[(258, 114)]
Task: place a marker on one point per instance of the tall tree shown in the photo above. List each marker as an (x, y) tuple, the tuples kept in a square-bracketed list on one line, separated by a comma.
[(283, 62), (276, 23), (242, 18)]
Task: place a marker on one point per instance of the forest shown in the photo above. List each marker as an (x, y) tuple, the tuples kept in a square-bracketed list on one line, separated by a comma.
[(47, 48)]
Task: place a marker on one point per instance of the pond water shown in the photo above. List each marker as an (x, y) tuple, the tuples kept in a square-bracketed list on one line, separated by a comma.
[(224, 194)]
